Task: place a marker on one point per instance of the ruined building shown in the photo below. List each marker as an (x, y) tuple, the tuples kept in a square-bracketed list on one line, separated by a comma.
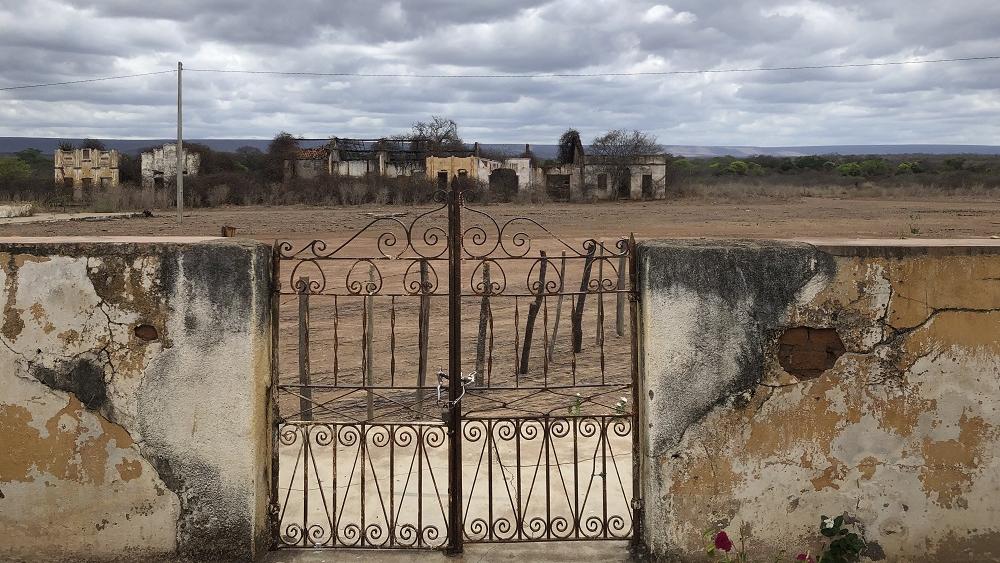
[(159, 166), (84, 168), (585, 177)]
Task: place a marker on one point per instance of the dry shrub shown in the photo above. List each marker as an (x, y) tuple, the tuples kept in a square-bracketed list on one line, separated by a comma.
[(130, 198), (532, 195)]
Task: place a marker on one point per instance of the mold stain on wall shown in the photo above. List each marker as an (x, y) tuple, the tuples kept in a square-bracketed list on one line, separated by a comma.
[(899, 430)]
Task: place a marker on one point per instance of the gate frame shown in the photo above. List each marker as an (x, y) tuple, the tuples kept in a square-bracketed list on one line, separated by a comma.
[(455, 202)]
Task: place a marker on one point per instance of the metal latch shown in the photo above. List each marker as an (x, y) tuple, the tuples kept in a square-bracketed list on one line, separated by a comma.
[(443, 378)]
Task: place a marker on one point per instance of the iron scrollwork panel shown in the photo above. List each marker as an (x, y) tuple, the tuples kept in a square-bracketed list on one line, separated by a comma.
[(363, 485), (548, 479)]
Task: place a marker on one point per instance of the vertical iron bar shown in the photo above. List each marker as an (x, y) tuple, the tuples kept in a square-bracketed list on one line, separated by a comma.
[(572, 348), (305, 392), (333, 470), (484, 314), (336, 321), (419, 452), (603, 437), (519, 513), (423, 332), (576, 476), (392, 483), (392, 341), (637, 509), (620, 297), (547, 436), (599, 336), (370, 341), (517, 343), (600, 309), (274, 413), (545, 339), (489, 479), (455, 523), (306, 457), (364, 450)]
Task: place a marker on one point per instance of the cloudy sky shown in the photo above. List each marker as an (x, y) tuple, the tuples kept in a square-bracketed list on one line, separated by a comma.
[(54, 40)]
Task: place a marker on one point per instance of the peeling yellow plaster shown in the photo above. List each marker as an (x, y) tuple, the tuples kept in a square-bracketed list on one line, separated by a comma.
[(72, 448), (950, 465), (923, 284)]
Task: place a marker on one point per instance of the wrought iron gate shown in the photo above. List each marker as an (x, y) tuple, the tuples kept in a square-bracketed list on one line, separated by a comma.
[(521, 428)]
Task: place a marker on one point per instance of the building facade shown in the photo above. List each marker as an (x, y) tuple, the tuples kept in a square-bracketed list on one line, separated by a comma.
[(585, 177), (159, 166), (80, 169)]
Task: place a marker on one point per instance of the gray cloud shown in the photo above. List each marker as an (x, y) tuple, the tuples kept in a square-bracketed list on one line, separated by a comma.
[(53, 40)]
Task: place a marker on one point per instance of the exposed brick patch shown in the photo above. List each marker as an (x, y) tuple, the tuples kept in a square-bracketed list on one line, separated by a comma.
[(807, 352)]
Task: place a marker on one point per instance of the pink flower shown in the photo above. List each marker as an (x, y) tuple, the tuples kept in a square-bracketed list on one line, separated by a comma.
[(723, 542), (805, 557)]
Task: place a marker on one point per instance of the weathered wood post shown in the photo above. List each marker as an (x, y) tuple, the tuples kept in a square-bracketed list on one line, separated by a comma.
[(533, 309), (484, 318), (559, 302), (423, 332), (578, 313), (305, 392)]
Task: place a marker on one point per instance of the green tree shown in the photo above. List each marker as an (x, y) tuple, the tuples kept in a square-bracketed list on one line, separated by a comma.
[(40, 164), (874, 167), (13, 169), (850, 169)]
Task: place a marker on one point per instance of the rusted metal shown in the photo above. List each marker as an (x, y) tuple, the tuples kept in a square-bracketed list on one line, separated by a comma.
[(546, 434), (455, 377)]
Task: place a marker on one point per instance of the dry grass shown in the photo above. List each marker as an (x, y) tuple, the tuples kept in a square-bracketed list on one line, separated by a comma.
[(737, 191)]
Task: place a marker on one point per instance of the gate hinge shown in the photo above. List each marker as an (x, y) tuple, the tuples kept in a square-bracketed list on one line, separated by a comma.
[(637, 504)]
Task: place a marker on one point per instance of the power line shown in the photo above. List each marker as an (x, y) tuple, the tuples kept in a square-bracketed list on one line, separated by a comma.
[(523, 75), (85, 80), (594, 74)]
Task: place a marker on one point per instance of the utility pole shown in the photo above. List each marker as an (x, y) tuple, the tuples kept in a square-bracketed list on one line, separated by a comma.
[(180, 148)]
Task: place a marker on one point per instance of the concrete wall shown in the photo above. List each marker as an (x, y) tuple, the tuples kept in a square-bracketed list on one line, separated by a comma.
[(161, 163), (474, 167), (525, 173), (785, 381), (134, 413)]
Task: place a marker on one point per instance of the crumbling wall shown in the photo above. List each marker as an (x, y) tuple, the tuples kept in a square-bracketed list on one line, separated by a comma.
[(785, 381), (133, 419)]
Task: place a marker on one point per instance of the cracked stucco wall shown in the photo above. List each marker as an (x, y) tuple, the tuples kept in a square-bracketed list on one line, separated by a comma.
[(133, 412), (900, 433)]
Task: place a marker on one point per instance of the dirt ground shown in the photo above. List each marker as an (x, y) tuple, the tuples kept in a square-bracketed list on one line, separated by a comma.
[(806, 217)]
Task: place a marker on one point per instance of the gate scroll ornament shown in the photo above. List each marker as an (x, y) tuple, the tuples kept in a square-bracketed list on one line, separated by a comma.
[(373, 444)]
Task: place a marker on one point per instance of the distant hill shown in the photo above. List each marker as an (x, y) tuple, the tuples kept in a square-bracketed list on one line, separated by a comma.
[(133, 146)]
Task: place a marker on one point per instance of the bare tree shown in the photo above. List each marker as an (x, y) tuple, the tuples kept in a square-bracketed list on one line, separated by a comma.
[(569, 142), (282, 149), (615, 150), (440, 133)]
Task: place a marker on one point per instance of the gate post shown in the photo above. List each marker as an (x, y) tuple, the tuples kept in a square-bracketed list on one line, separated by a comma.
[(638, 543), (454, 421)]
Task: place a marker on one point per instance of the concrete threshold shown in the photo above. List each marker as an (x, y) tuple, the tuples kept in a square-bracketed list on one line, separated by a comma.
[(556, 552)]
